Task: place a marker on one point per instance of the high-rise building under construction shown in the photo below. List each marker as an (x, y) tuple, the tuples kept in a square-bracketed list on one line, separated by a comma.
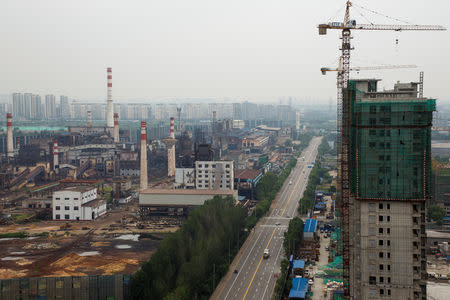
[(390, 169)]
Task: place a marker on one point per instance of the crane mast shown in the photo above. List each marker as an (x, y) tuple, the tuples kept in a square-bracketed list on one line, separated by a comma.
[(343, 122)]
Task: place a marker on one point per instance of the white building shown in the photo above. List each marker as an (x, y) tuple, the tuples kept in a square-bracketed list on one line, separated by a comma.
[(214, 175), (77, 203), (185, 178)]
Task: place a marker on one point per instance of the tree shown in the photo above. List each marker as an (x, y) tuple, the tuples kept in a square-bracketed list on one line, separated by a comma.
[(436, 213), (288, 143)]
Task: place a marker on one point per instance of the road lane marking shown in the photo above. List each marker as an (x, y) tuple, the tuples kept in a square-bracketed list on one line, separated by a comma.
[(260, 260)]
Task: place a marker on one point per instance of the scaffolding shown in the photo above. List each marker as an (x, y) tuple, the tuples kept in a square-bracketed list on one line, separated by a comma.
[(390, 147)]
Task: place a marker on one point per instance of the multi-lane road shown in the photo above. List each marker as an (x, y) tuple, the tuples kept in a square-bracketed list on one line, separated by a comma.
[(256, 276)]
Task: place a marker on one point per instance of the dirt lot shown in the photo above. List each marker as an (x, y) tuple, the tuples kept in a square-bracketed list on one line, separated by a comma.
[(109, 245)]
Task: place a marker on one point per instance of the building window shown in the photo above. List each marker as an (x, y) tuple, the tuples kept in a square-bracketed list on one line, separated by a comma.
[(57, 207), (389, 292), (389, 279), (372, 280), (388, 267), (57, 217), (206, 165), (381, 267), (66, 217), (75, 208), (227, 166), (381, 292), (380, 242), (380, 230), (389, 255), (66, 198), (371, 206), (57, 198), (380, 218), (388, 218), (388, 230), (388, 242), (199, 165), (75, 198), (213, 166), (388, 206), (66, 208), (380, 206), (381, 279), (380, 255)]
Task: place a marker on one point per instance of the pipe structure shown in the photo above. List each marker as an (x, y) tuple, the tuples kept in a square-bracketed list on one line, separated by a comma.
[(109, 102), (116, 127), (9, 138), (143, 170)]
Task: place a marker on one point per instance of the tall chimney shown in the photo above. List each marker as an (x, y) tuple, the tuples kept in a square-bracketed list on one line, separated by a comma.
[(89, 118), (170, 143), (55, 157), (9, 138), (116, 127), (109, 103), (179, 120), (144, 179)]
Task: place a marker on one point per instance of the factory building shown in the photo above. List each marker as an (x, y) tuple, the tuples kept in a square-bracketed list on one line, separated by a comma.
[(78, 203), (390, 168), (176, 201)]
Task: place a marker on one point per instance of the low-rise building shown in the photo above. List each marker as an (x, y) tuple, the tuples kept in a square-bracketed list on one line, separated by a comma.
[(77, 203)]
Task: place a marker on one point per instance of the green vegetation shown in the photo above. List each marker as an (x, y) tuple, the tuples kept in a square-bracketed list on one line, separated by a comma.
[(18, 234), (436, 213), (307, 201), (293, 236), (21, 217), (190, 262)]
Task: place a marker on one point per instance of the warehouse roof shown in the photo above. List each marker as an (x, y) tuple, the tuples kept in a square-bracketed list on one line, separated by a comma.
[(187, 192), (80, 188), (299, 288), (246, 174), (310, 225)]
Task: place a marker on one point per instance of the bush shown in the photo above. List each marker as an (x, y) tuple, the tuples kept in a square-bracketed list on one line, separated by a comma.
[(19, 234)]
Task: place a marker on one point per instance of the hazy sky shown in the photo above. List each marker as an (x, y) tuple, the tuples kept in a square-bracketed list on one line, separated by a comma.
[(241, 49)]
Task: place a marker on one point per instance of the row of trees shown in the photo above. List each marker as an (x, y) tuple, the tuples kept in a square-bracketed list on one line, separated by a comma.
[(190, 262), (317, 173), (267, 190), (293, 238)]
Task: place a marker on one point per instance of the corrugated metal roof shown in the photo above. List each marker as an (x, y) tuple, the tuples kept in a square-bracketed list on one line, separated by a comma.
[(310, 225), (299, 288), (298, 264)]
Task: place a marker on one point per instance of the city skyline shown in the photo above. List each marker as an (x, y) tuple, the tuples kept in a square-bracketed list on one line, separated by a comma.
[(199, 50)]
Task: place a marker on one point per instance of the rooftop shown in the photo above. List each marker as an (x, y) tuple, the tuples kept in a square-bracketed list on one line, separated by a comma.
[(246, 174), (310, 225), (187, 192), (438, 234), (93, 203), (299, 288), (81, 189)]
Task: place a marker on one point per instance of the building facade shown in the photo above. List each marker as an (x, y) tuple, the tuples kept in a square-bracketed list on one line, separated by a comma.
[(217, 175), (390, 168), (77, 203)]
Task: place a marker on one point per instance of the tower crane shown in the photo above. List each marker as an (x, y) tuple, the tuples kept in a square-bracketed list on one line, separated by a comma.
[(343, 74), (324, 70)]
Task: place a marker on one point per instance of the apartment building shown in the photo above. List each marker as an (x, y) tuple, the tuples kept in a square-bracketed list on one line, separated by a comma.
[(217, 175)]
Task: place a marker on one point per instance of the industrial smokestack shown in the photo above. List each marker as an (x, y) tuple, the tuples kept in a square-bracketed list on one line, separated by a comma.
[(9, 138), (144, 179), (109, 103), (172, 128), (170, 143), (116, 127), (89, 118), (55, 157), (179, 120)]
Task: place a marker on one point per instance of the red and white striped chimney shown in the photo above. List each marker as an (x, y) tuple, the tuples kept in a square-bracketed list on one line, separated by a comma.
[(55, 157), (116, 128), (89, 118), (170, 142), (9, 137), (109, 102), (143, 170), (172, 127)]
